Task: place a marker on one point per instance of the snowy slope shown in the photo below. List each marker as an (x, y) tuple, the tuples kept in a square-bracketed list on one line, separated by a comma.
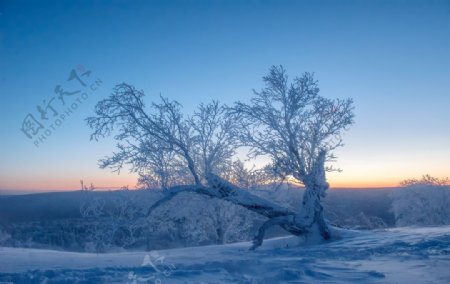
[(403, 255)]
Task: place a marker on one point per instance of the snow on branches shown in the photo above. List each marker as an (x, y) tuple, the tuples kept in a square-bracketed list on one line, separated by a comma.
[(161, 144), (291, 123), (288, 122)]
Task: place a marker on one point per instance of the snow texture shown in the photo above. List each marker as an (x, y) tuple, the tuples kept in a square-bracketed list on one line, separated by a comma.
[(401, 255)]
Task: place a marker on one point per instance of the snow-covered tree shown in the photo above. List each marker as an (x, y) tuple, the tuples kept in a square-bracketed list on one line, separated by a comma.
[(364, 222), (195, 220), (298, 130), (137, 130), (290, 123), (212, 139), (160, 143), (4, 236), (117, 218), (426, 180), (159, 167), (244, 177), (422, 202)]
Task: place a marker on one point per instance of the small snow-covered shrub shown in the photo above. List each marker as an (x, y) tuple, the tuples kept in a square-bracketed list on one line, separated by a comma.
[(116, 218), (423, 202), (119, 220), (196, 220), (364, 222), (4, 236)]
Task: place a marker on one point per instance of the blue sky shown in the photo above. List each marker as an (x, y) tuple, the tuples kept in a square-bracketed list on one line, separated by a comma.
[(391, 57)]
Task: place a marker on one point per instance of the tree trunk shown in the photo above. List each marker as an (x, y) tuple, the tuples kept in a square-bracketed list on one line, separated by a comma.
[(310, 215), (309, 220), (191, 167)]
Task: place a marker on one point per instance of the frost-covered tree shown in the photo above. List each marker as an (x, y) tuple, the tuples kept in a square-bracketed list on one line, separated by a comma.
[(245, 177), (159, 167), (298, 130), (364, 222), (422, 202), (4, 236), (137, 130), (213, 142), (161, 143), (426, 180), (195, 220), (116, 218), (288, 122)]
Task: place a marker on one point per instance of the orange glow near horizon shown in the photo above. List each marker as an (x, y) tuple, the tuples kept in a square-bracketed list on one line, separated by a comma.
[(363, 184), (69, 184), (118, 181), (362, 176)]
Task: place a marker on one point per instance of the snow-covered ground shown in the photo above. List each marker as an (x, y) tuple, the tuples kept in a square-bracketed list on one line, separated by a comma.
[(401, 255)]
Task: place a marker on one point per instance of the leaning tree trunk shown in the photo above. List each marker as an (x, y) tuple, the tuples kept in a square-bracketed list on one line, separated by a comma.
[(308, 220), (310, 215)]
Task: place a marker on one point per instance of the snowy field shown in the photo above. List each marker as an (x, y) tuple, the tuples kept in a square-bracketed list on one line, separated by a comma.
[(400, 255)]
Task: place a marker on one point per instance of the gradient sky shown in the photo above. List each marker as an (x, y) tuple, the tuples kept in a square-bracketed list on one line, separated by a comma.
[(391, 57)]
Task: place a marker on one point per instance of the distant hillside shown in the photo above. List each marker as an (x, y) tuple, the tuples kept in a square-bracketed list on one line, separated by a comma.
[(63, 205), (39, 206)]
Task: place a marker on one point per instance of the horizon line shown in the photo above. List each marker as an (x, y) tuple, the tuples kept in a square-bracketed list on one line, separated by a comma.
[(104, 189)]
